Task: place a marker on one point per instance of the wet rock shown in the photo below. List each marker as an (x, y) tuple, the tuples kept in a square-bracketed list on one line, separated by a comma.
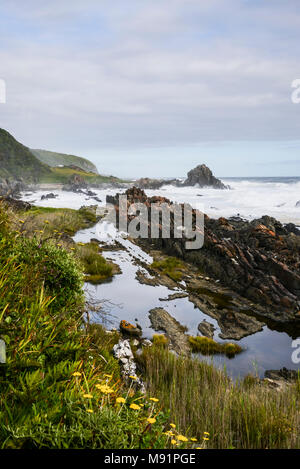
[(49, 196), (174, 296), (161, 320), (154, 281), (207, 329), (129, 329), (280, 379), (282, 374), (234, 325)]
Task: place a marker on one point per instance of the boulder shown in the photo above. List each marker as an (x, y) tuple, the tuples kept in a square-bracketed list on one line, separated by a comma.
[(207, 329), (203, 177)]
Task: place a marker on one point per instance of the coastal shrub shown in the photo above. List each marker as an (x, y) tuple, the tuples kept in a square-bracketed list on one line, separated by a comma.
[(57, 270), (169, 266), (208, 346), (95, 265)]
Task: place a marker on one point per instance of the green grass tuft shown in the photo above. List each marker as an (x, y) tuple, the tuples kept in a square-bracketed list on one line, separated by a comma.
[(208, 346)]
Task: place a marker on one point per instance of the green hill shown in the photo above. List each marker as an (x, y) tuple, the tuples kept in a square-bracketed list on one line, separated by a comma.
[(41, 166), (17, 161), (54, 159)]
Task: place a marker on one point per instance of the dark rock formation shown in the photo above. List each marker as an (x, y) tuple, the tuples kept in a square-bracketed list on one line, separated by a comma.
[(49, 196), (16, 204), (257, 261), (147, 183), (161, 320), (202, 176), (207, 329), (282, 374)]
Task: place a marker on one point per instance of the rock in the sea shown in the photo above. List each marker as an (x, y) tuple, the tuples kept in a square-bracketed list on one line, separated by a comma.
[(49, 196), (202, 176), (207, 329)]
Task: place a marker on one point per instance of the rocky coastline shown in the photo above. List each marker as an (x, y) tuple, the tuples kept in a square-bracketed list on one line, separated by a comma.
[(201, 176), (258, 261)]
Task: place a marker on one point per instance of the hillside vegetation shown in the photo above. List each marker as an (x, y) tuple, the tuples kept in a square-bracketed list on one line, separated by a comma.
[(54, 159), (16, 160), (40, 166)]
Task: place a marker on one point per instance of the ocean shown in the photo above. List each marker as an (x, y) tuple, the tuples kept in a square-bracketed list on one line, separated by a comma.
[(248, 198)]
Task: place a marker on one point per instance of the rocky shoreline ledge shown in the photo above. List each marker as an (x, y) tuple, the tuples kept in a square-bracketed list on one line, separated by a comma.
[(257, 261)]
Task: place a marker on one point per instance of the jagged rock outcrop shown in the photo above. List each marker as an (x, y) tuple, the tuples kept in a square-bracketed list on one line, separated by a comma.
[(203, 177), (148, 183), (261, 263), (200, 176)]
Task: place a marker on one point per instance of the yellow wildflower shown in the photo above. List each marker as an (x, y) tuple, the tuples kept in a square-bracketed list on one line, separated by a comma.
[(172, 425), (206, 433), (47, 222), (193, 439), (120, 400), (132, 377), (151, 420), (134, 407), (173, 442), (76, 373), (182, 438), (107, 376), (88, 396), (90, 411), (104, 388), (154, 399), (21, 221), (206, 439), (169, 433)]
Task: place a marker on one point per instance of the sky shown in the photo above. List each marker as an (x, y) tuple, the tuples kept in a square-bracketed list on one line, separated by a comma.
[(154, 88)]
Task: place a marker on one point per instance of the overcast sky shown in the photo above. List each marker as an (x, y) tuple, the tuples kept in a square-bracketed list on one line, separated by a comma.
[(152, 88)]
